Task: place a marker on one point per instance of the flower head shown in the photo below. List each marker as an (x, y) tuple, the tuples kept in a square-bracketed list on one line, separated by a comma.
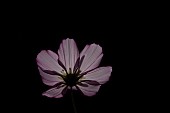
[(70, 70)]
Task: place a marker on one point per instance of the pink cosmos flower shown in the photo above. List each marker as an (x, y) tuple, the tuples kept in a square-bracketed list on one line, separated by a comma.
[(70, 70)]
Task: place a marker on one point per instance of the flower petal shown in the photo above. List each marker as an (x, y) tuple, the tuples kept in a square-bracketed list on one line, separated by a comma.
[(48, 60), (101, 75), (90, 90), (50, 80), (68, 53), (54, 92), (93, 55)]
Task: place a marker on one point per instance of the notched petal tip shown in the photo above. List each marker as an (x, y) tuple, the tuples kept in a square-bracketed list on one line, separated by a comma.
[(42, 52), (94, 44), (47, 95), (109, 68), (69, 39), (39, 55)]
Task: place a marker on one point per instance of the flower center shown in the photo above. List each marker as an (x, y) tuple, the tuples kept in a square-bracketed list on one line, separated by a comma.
[(71, 79)]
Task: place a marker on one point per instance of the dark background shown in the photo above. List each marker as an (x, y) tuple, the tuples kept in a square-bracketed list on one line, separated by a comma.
[(123, 92), (130, 34), (123, 33)]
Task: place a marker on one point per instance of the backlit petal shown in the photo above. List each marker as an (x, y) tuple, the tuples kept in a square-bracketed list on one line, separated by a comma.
[(48, 60), (54, 92), (90, 90), (93, 55), (101, 74), (68, 53), (50, 79)]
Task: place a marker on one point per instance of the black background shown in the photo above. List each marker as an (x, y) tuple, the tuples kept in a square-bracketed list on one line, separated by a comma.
[(121, 93), (124, 36)]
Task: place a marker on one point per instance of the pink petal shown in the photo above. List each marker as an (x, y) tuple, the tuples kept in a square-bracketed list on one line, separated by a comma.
[(50, 79), (54, 92), (101, 75), (48, 60), (93, 55), (90, 90), (68, 53)]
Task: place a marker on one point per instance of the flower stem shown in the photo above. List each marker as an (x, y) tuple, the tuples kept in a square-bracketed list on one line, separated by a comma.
[(73, 102)]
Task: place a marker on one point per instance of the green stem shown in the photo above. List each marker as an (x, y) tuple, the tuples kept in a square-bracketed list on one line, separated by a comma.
[(73, 102)]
